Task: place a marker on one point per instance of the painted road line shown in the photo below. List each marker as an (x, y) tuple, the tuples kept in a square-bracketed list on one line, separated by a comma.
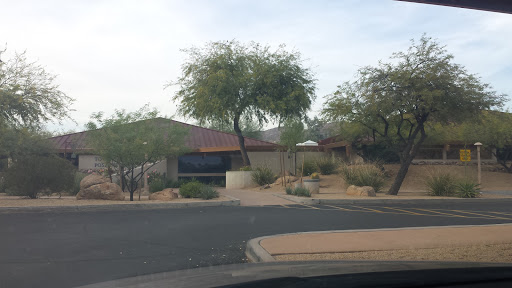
[(343, 209), (310, 207), (373, 210), (502, 213), (443, 213), (408, 212), (488, 216), (493, 212)]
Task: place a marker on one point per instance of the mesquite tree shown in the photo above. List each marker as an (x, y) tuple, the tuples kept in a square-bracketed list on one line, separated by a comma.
[(395, 101), (229, 81)]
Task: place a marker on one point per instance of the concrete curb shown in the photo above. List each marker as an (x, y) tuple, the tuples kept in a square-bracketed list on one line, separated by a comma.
[(256, 253), (312, 201), (122, 207)]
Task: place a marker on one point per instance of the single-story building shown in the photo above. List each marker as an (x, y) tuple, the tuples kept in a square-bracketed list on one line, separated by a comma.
[(213, 153)]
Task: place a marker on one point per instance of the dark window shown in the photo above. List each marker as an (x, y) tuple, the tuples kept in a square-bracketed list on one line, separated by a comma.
[(204, 164)]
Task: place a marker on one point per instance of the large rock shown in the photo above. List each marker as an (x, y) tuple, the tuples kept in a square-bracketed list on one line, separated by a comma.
[(103, 191), (92, 179), (164, 195), (361, 191)]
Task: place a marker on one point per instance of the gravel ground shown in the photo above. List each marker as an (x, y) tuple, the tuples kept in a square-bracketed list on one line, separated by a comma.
[(478, 253)]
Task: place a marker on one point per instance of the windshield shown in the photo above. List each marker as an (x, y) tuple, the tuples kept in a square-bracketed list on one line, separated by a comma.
[(174, 136)]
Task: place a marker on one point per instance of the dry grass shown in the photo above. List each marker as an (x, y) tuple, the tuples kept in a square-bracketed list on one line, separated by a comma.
[(501, 253)]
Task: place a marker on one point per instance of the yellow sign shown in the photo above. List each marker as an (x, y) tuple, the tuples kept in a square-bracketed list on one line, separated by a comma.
[(465, 155)]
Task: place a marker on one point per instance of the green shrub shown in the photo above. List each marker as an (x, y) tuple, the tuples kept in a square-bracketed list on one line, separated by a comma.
[(208, 192), (76, 184), (289, 190), (246, 168), (33, 175), (301, 192), (441, 184), (191, 189), (156, 184), (169, 183), (326, 166), (363, 175), (263, 176), (467, 189), (309, 168)]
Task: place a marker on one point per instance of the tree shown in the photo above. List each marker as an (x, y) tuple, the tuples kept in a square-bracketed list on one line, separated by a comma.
[(396, 100), (32, 175), (493, 131), (292, 134), (29, 94), (250, 127), (129, 141), (316, 129), (228, 81)]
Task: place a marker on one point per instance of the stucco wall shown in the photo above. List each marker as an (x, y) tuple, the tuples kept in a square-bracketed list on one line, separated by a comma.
[(93, 162), (172, 168)]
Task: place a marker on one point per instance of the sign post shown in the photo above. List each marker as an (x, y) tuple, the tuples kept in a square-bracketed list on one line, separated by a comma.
[(465, 156)]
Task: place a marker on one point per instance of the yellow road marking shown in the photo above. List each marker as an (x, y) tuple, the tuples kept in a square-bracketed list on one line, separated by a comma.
[(408, 212), (378, 211), (488, 216), (501, 213), (345, 209), (285, 206), (311, 207), (453, 215)]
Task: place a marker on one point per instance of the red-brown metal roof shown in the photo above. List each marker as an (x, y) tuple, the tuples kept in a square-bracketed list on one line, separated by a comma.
[(198, 139)]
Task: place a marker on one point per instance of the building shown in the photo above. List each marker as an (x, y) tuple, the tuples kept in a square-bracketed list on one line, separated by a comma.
[(213, 153)]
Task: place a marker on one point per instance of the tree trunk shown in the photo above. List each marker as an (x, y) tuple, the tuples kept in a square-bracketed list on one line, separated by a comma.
[(241, 141), (131, 186), (503, 161), (409, 153)]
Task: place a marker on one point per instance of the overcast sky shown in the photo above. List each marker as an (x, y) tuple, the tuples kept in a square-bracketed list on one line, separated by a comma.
[(119, 54)]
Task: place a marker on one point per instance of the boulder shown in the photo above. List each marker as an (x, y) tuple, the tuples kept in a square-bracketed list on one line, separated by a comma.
[(164, 195), (92, 179), (103, 191), (361, 191)]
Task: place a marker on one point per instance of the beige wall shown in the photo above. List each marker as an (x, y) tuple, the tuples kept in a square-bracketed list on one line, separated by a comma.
[(172, 168), (93, 162)]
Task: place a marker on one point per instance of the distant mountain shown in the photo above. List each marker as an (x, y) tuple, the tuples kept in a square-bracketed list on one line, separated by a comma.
[(273, 134)]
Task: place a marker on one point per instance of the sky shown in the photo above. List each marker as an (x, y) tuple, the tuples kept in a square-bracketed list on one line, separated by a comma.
[(120, 54)]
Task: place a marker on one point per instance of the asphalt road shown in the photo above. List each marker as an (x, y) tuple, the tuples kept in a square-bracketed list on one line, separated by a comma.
[(66, 249)]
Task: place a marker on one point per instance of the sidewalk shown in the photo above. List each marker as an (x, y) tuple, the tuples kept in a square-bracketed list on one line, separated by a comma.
[(423, 243), (255, 198)]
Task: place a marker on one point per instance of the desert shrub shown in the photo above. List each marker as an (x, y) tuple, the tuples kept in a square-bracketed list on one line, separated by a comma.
[(156, 184), (289, 190), (34, 175), (208, 192), (263, 176), (76, 182), (326, 166), (301, 192), (169, 183), (246, 168), (441, 184), (467, 188), (191, 189), (363, 175), (309, 168), (154, 175), (315, 176)]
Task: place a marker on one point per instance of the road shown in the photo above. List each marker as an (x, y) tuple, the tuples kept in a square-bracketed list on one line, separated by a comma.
[(66, 249)]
